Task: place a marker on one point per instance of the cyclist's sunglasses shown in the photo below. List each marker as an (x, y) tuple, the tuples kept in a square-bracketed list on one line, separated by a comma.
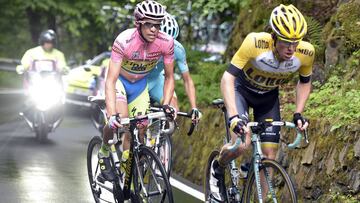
[(149, 25), (288, 43)]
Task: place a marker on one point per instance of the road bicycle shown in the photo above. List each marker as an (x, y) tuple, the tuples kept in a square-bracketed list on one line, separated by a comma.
[(265, 180), (141, 178)]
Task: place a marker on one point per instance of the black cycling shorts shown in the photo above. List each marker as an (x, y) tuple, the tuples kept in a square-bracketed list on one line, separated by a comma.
[(264, 105)]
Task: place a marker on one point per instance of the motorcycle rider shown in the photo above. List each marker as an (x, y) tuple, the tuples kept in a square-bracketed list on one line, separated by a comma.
[(45, 51)]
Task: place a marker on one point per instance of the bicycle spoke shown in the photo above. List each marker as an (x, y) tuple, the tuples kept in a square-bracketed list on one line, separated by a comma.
[(276, 185), (153, 186)]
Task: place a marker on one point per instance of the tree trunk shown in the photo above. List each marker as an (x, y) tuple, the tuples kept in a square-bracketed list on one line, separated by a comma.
[(34, 24)]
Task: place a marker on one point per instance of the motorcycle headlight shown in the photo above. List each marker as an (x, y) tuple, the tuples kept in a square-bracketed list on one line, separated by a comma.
[(45, 93)]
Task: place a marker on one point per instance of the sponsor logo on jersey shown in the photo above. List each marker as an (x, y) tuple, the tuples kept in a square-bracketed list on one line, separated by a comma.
[(305, 52), (129, 40), (269, 62), (135, 55), (260, 79), (153, 54), (289, 64), (137, 67), (261, 44)]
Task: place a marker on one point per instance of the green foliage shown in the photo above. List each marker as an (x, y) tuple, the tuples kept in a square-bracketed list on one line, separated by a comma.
[(314, 36), (84, 28), (349, 18), (333, 103), (206, 77), (337, 197)]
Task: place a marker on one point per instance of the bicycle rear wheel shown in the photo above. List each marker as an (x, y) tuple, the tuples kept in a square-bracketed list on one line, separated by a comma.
[(151, 179), (276, 184)]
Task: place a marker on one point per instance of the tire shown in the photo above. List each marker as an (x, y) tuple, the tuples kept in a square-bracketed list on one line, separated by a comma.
[(41, 130), (42, 133), (149, 170), (93, 170), (283, 187), (97, 118), (213, 155), (165, 153)]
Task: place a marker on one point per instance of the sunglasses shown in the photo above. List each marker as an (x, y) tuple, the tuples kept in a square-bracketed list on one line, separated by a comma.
[(149, 25), (288, 44)]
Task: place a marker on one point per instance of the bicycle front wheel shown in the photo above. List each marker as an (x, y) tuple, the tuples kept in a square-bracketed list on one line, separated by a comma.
[(276, 185), (151, 179), (102, 192)]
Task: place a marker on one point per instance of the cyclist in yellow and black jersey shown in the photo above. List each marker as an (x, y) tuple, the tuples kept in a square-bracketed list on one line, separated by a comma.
[(263, 62), (258, 68)]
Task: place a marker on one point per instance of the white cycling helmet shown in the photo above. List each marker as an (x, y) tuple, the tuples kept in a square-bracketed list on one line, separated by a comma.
[(149, 9), (170, 26)]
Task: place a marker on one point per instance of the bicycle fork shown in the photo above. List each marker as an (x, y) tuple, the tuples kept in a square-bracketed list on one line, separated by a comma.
[(256, 166), (234, 191)]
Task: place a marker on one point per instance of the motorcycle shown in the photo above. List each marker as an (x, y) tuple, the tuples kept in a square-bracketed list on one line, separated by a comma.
[(45, 98)]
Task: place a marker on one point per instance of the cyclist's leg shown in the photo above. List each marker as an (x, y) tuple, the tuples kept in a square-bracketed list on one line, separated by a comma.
[(242, 106), (156, 91), (156, 88), (139, 103), (269, 107), (121, 108), (216, 180), (104, 152)]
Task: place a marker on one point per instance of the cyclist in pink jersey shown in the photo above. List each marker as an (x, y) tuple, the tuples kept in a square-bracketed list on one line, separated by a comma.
[(135, 53)]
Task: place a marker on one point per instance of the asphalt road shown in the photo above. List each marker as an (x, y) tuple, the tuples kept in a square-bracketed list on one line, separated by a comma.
[(54, 171)]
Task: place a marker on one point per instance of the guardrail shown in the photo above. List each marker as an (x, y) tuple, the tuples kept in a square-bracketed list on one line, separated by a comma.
[(7, 64)]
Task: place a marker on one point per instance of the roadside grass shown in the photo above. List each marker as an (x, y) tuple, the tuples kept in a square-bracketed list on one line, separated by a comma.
[(10, 80)]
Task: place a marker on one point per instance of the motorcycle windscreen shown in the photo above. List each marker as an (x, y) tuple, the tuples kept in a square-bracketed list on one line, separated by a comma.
[(44, 65)]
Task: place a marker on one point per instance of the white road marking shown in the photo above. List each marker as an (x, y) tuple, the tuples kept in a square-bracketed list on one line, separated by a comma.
[(191, 191)]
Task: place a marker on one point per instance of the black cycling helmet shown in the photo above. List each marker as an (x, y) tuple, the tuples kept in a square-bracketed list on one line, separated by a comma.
[(47, 36)]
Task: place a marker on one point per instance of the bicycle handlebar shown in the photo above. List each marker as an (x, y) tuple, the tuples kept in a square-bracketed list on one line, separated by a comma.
[(263, 125), (179, 113)]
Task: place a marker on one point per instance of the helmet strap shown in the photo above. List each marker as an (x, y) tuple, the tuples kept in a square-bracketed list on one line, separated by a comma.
[(139, 30)]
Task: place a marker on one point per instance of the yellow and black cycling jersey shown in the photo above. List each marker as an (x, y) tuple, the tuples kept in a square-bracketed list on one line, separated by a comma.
[(260, 69)]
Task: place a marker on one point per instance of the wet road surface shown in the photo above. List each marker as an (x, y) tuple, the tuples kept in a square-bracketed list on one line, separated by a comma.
[(54, 171)]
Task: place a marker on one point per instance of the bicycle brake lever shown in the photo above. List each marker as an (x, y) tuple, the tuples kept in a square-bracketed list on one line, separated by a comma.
[(306, 136)]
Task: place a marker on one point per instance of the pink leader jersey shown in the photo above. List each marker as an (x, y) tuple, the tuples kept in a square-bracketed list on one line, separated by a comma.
[(139, 57)]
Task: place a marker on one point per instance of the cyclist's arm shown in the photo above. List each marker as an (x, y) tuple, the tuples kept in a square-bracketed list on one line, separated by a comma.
[(239, 60), (303, 87), (228, 92), (169, 83), (189, 88), (110, 93), (169, 73), (302, 94)]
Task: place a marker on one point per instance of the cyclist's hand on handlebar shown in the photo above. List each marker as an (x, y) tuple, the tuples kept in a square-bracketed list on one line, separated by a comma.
[(195, 115), (301, 122), (113, 122), (236, 124), (170, 111)]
